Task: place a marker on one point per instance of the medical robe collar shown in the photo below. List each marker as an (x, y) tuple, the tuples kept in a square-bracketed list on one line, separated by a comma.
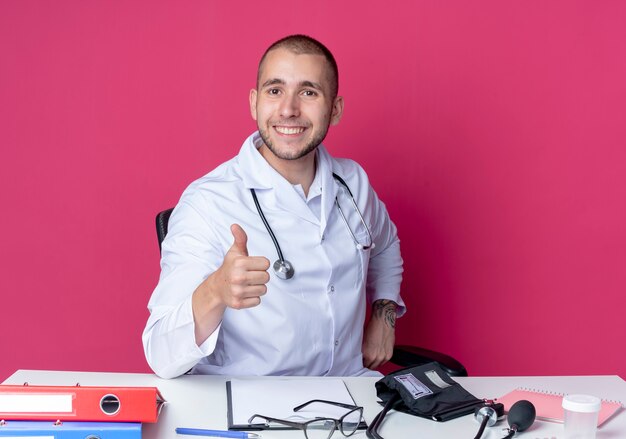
[(257, 174)]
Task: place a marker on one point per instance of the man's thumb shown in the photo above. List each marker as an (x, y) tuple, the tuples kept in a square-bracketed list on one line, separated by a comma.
[(241, 239)]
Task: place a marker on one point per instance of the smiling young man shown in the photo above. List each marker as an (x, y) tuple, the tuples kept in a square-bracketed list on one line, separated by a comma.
[(220, 307), (294, 104)]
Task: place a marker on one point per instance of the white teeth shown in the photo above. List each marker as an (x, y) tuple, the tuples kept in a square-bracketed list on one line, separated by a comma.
[(288, 130)]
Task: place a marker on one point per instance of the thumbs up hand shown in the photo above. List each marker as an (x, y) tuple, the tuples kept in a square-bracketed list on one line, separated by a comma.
[(241, 279), (239, 283), (241, 240)]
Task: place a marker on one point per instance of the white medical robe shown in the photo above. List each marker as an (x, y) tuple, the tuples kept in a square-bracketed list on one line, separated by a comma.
[(311, 324)]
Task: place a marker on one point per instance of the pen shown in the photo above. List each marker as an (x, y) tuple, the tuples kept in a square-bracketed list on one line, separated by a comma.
[(217, 433)]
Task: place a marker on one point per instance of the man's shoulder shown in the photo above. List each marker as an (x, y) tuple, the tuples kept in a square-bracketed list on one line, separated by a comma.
[(348, 167), (229, 175), (342, 166), (350, 171), (224, 173), (220, 182)]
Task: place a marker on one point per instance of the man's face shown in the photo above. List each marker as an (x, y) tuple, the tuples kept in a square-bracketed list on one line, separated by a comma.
[(292, 104)]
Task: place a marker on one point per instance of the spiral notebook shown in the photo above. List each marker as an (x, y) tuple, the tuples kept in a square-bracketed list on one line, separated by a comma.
[(548, 404)]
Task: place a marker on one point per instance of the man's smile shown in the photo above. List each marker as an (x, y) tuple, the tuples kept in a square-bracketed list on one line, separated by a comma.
[(289, 130)]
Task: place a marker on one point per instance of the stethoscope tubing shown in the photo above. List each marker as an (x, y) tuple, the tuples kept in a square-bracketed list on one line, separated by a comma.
[(267, 226), (282, 267)]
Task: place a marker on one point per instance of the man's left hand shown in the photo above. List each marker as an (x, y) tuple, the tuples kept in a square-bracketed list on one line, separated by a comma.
[(380, 334)]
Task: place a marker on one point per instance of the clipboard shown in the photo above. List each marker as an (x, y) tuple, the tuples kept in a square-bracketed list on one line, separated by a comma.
[(276, 397)]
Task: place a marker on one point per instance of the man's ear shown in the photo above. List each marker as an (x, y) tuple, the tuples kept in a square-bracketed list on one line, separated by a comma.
[(252, 99), (337, 110)]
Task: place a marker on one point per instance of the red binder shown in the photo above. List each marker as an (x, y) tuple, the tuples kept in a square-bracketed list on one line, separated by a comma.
[(80, 403)]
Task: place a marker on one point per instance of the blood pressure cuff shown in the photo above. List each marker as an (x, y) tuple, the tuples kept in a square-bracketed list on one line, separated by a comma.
[(427, 391)]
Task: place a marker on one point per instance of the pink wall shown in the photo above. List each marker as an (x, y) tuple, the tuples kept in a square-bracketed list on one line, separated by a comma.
[(495, 131)]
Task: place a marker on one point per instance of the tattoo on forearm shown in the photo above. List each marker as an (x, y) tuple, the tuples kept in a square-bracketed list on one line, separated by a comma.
[(385, 309)]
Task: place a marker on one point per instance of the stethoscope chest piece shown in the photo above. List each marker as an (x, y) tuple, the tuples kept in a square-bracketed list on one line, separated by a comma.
[(283, 269)]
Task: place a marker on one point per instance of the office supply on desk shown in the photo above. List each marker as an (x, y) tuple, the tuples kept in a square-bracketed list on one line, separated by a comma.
[(276, 397), (216, 433), (80, 403), (200, 401), (70, 430), (549, 404)]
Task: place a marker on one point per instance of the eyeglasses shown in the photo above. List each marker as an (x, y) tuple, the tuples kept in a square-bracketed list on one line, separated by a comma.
[(321, 428)]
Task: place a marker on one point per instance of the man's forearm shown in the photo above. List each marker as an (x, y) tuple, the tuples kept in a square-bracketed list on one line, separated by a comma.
[(379, 336), (385, 310)]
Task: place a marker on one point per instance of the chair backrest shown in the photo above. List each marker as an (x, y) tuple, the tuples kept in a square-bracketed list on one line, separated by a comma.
[(162, 220)]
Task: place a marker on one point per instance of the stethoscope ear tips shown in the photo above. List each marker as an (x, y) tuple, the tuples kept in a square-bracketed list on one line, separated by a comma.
[(283, 269)]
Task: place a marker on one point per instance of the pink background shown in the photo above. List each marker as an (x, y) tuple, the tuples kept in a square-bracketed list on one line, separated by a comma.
[(495, 131)]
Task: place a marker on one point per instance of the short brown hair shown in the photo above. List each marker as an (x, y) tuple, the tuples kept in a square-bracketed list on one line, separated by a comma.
[(303, 44)]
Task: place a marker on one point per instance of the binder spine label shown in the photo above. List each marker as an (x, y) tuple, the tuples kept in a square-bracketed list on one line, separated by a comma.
[(35, 403)]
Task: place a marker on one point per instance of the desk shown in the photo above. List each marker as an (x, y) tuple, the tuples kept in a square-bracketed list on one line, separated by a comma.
[(200, 401)]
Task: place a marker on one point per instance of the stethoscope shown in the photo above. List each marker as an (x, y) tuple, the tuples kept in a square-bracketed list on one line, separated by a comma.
[(282, 267)]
